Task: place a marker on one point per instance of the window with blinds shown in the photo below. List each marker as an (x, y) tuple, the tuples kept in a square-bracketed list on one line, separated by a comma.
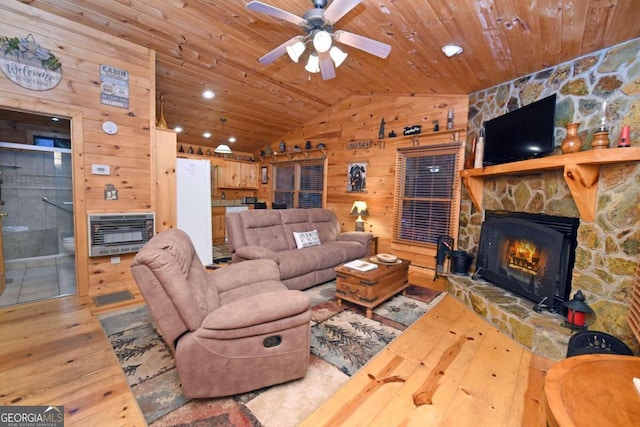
[(299, 183), (427, 193)]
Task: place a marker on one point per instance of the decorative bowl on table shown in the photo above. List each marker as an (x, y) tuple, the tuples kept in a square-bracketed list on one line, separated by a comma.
[(387, 258)]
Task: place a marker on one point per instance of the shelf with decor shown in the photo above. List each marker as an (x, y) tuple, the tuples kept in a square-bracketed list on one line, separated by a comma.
[(313, 153), (456, 134), (581, 172), (202, 152)]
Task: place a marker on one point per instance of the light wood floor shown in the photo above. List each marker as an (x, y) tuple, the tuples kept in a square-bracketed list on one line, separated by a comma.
[(464, 371), (56, 353), (450, 368)]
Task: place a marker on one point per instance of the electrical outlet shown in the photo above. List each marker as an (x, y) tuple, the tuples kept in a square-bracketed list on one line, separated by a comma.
[(115, 260)]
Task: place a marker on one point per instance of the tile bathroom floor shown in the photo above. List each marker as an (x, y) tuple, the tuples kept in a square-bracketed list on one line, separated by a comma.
[(33, 279)]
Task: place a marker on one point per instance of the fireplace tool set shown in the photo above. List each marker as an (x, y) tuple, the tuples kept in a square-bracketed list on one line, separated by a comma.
[(445, 246)]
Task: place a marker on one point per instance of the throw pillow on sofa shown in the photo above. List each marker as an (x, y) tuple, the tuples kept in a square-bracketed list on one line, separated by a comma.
[(306, 239)]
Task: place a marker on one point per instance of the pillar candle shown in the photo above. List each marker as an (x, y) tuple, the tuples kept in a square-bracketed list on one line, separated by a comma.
[(625, 136)]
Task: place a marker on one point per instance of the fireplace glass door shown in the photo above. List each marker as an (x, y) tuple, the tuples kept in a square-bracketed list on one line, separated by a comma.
[(521, 256)]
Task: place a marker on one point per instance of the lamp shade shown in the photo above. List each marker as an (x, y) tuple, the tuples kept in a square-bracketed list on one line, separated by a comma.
[(223, 149), (359, 208), (337, 55), (313, 65), (295, 50)]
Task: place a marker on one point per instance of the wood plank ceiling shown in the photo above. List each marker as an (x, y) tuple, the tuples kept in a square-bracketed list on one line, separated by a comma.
[(215, 44)]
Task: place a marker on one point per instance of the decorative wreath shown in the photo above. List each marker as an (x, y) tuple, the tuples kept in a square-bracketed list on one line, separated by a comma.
[(27, 48)]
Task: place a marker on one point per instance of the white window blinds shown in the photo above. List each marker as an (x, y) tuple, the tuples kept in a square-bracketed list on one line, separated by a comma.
[(427, 193)]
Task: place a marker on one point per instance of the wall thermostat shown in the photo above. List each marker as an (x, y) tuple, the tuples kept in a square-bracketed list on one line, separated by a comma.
[(110, 128), (100, 169)]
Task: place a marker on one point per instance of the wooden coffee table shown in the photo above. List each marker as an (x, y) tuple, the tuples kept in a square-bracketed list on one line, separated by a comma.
[(371, 288)]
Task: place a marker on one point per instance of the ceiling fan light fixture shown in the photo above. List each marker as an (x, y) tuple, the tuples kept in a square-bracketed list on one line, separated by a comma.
[(295, 50), (322, 41), (337, 55), (313, 64), (223, 149), (451, 50)]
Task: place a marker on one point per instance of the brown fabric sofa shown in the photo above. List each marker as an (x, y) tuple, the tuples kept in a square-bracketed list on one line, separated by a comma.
[(231, 330), (268, 234)]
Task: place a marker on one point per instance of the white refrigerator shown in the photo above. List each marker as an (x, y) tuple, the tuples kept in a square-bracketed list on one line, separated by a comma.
[(193, 189)]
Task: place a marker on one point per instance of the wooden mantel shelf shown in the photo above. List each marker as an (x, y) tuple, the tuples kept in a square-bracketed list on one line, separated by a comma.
[(581, 173)]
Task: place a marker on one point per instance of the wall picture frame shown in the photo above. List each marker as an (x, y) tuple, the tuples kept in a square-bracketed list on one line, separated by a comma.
[(357, 177), (264, 175)]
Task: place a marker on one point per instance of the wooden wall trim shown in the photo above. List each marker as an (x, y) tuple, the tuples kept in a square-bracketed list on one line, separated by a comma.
[(79, 205)]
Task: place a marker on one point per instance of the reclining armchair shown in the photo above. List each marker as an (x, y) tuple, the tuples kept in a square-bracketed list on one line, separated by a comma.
[(231, 330)]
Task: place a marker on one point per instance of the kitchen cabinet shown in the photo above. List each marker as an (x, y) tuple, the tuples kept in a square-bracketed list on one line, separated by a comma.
[(229, 173), (218, 224), (236, 174)]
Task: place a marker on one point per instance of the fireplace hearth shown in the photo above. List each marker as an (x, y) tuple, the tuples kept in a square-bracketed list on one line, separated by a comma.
[(531, 255)]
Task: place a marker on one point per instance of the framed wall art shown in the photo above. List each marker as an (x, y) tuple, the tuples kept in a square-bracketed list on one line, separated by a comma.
[(357, 177), (264, 177)]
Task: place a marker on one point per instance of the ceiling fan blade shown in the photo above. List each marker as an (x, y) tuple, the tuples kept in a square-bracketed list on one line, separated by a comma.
[(258, 6), (327, 69), (337, 9), (278, 51), (379, 49)]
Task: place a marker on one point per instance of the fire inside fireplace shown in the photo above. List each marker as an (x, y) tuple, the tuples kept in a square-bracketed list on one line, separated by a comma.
[(524, 256), (531, 255)]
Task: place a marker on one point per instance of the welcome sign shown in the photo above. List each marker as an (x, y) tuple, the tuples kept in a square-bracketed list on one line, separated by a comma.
[(28, 65)]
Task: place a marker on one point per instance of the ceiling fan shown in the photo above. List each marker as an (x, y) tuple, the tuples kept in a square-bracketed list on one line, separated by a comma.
[(317, 24)]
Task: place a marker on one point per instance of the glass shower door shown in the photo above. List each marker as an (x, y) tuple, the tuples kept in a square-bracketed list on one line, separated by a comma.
[(37, 192)]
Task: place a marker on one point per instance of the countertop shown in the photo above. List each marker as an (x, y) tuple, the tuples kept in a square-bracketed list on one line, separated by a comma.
[(228, 202)]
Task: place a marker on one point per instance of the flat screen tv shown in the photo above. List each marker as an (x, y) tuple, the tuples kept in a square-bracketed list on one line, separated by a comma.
[(521, 134)]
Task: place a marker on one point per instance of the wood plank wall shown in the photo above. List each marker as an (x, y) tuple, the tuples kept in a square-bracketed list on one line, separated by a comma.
[(358, 119), (81, 52)]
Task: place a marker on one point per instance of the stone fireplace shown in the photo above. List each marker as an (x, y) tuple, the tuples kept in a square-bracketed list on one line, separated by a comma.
[(606, 257), (606, 261), (522, 277)]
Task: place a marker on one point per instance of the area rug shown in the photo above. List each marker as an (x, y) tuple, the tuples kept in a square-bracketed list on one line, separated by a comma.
[(221, 253), (342, 341)]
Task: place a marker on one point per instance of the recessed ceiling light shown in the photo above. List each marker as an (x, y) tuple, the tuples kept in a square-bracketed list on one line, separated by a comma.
[(208, 94), (232, 139), (177, 129), (207, 134), (451, 50)]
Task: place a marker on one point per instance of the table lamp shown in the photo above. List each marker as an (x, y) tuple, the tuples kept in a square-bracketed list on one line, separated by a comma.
[(359, 209)]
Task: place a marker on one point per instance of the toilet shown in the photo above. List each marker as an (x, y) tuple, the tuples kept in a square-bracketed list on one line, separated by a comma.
[(69, 244)]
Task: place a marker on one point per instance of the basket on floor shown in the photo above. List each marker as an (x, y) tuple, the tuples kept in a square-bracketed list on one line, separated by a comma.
[(593, 342)]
